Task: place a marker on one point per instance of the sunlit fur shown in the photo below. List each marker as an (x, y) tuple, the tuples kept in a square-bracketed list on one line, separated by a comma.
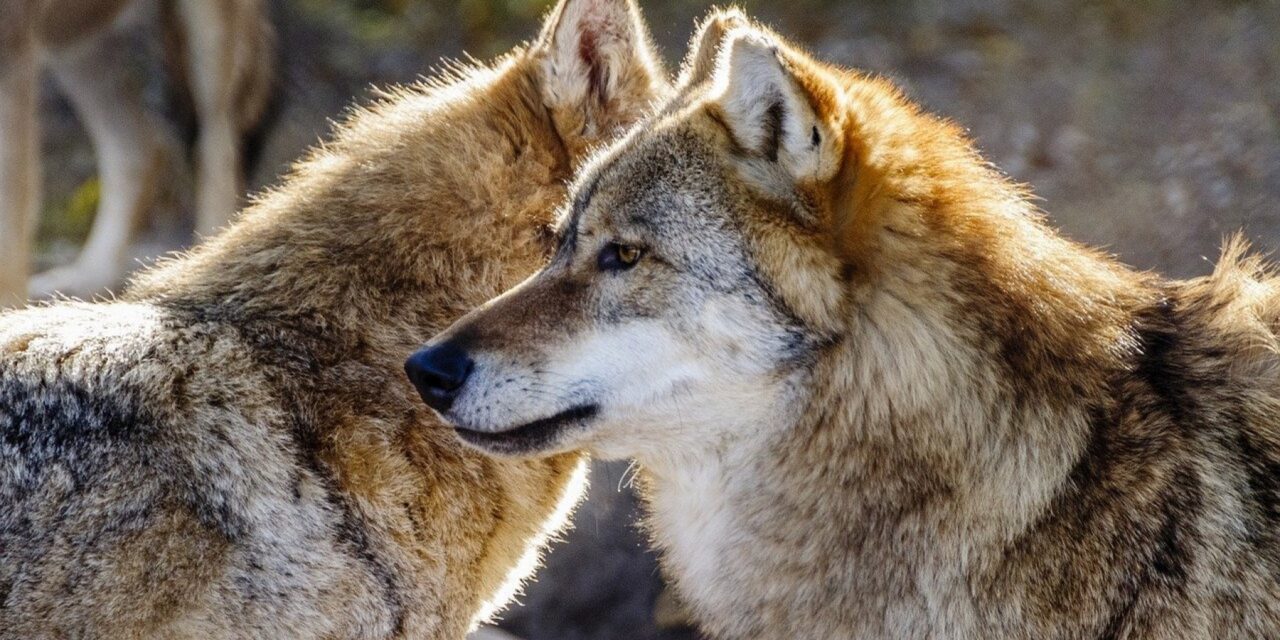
[(874, 395), (230, 450)]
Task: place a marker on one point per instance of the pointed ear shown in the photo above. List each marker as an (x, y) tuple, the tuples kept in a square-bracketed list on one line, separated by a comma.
[(704, 46), (780, 105), (599, 69)]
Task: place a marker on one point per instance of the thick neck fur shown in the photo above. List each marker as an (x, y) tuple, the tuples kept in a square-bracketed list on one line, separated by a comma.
[(328, 250), (376, 241), (919, 454), (977, 351)]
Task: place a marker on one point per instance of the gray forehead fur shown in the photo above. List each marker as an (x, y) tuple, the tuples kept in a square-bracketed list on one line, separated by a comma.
[(669, 189)]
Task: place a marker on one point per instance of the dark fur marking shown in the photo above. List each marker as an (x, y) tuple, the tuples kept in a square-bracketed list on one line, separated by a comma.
[(847, 272), (124, 477), (564, 165), (1156, 539), (43, 423), (1159, 341), (52, 422), (717, 118), (1044, 361), (1171, 555), (598, 71), (802, 344), (42, 416), (1262, 475), (1177, 543), (568, 242), (1091, 465), (308, 446), (773, 117)]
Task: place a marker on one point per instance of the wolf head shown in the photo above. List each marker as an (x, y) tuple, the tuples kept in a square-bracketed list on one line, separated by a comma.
[(655, 311), (774, 211)]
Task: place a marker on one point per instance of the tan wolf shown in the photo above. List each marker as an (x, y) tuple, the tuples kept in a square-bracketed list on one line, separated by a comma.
[(872, 393), (230, 450), (223, 51)]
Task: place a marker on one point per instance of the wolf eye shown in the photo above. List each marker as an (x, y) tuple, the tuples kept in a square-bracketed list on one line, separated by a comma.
[(619, 257)]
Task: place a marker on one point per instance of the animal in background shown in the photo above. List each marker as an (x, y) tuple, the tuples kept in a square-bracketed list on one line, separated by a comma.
[(221, 51)]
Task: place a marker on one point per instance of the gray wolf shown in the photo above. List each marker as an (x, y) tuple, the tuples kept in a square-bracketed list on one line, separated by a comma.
[(222, 50), (872, 393), (229, 449)]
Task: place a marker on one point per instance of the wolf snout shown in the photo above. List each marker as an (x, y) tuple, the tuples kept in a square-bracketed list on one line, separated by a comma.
[(439, 372)]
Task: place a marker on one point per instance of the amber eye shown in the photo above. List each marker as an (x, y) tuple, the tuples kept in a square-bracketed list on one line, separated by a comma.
[(619, 257)]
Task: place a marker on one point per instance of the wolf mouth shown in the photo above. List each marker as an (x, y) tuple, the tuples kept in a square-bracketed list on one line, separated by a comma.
[(531, 436)]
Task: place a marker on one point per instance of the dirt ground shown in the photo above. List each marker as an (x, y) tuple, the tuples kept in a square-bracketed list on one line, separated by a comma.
[(1150, 127)]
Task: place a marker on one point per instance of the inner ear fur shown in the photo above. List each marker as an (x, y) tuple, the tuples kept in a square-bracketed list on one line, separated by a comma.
[(780, 105), (599, 69), (793, 128)]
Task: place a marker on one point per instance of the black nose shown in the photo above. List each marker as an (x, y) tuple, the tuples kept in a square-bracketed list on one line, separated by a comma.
[(439, 373)]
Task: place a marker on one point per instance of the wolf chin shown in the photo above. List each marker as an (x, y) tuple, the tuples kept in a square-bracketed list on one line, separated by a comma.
[(873, 395), (228, 450)]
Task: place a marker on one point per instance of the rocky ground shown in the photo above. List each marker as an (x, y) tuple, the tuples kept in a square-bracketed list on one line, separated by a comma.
[(1151, 127)]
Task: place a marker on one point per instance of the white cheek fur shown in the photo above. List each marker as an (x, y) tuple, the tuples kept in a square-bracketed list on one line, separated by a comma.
[(664, 390), (660, 389)]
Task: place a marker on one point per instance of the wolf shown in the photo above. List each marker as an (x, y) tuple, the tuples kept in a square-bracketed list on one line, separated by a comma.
[(871, 392), (221, 51), (229, 449)]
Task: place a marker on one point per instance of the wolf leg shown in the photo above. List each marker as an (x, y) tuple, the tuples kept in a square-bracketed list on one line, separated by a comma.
[(129, 147), (228, 67), (19, 150)]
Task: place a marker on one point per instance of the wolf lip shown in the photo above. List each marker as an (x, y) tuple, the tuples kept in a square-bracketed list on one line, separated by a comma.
[(531, 436)]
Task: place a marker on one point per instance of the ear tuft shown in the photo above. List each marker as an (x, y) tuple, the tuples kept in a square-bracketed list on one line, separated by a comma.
[(599, 67), (766, 93), (704, 46)]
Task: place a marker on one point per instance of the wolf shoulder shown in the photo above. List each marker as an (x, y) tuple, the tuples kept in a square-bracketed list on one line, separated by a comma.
[(131, 441)]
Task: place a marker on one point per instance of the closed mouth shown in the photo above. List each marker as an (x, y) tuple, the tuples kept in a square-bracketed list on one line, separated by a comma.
[(530, 437)]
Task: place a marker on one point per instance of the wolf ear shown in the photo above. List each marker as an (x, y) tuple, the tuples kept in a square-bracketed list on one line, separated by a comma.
[(599, 69), (779, 105), (704, 46)]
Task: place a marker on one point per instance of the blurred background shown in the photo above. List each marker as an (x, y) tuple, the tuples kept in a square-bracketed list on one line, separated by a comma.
[(1150, 127)]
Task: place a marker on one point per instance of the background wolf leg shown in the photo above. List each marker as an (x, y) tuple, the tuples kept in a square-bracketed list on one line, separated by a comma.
[(129, 147), (19, 153), (226, 43)]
